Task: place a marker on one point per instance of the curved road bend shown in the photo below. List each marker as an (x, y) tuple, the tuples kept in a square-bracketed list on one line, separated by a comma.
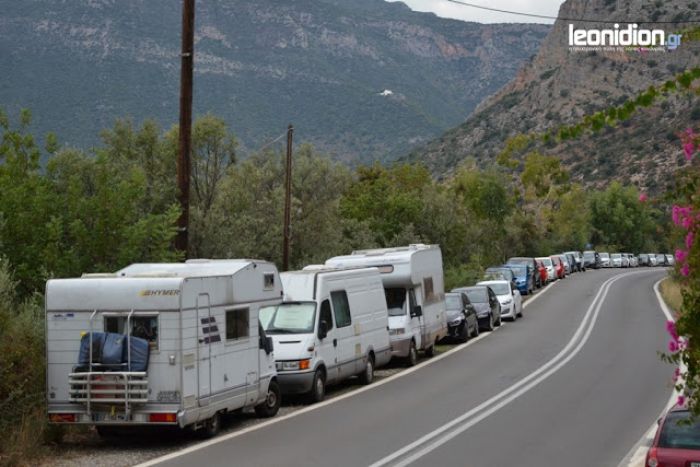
[(575, 383)]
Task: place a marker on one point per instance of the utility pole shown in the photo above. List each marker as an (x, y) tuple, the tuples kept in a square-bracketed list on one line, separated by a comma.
[(185, 137), (287, 200)]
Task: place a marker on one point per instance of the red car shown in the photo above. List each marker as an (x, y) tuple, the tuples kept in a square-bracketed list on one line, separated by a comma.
[(675, 445), (558, 267), (542, 271)]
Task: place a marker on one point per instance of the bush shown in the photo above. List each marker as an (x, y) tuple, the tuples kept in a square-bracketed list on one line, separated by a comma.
[(22, 369)]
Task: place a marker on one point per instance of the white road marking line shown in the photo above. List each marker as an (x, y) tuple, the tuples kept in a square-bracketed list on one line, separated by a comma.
[(443, 433), (637, 455), (310, 408)]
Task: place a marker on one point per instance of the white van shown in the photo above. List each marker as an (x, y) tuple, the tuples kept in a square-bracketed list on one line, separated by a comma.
[(202, 353), (332, 325), (415, 295)]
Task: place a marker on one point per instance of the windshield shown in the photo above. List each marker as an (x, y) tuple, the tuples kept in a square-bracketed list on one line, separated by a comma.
[(500, 288), (524, 261), (477, 295), (588, 255), (604, 256), (453, 301), (616, 256), (680, 436), (519, 271), (396, 301), (289, 318)]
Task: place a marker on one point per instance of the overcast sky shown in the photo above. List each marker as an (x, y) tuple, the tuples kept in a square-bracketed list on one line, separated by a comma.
[(448, 9)]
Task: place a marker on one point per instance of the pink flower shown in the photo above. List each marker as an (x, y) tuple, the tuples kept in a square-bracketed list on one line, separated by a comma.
[(685, 270), (642, 197), (671, 329), (677, 373), (689, 149), (672, 346), (689, 240), (681, 400), (680, 255)]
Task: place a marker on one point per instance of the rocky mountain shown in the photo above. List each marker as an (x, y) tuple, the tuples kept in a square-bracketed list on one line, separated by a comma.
[(559, 86), (362, 79)]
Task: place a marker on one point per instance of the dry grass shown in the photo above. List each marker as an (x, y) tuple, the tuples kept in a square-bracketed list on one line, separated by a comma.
[(671, 293)]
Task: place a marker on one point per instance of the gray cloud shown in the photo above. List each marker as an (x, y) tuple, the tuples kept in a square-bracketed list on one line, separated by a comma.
[(452, 10)]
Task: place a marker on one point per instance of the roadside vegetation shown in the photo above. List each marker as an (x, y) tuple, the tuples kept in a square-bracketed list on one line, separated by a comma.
[(64, 212), (671, 292)]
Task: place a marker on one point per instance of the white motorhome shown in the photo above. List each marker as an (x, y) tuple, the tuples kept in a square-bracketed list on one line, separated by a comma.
[(415, 295), (332, 324), (206, 354)]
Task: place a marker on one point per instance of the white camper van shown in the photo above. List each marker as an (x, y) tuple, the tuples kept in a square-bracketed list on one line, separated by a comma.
[(205, 354), (333, 324), (414, 289)]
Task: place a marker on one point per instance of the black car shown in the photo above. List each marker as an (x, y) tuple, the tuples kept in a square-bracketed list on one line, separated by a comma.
[(488, 309), (591, 259), (462, 322), (644, 260), (532, 265)]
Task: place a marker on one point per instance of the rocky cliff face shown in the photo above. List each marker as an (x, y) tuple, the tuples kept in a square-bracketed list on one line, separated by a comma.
[(363, 79), (559, 86)]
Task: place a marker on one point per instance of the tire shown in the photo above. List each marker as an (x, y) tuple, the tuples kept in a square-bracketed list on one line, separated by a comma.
[(490, 326), (412, 357), (520, 315), (212, 427), (499, 322), (430, 351), (464, 333), (271, 405), (367, 376), (476, 330), (318, 387)]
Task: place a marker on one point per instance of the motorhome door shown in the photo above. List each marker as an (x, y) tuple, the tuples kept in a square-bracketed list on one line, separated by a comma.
[(417, 322), (203, 349)]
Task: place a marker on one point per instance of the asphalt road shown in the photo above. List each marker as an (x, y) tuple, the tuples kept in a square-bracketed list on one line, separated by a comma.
[(576, 382)]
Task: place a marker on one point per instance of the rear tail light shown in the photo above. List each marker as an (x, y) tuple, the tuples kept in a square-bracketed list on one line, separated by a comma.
[(652, 459), (62, 417), (162, 418)]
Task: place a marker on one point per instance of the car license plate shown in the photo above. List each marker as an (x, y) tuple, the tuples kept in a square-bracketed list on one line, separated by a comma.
[(108, 417)]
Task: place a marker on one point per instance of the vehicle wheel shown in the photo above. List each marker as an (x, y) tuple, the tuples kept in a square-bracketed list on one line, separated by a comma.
[(367, 376), (464, 332), (490, 327), (271, 406), (213, 426), (412, 357), (476, 330), (430, 351), (520, 315), (318, 387), (529, 291), (499, 322)]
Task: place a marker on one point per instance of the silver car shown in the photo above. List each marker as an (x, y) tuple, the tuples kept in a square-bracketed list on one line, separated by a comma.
[(605, 260), (616, 260)]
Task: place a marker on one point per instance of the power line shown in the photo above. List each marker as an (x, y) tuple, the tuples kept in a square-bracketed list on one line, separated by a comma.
[(578, 20)]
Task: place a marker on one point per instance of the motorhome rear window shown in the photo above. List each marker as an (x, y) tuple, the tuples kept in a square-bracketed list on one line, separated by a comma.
[(145, 327), (237, 323), (341, 308), (428, 290)]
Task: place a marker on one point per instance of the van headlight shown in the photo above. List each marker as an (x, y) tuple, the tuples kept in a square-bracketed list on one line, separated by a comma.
[(397, 331), (507, 302), (293, 365)]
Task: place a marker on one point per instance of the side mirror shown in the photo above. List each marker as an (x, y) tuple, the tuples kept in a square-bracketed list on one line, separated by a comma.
[(269, 345), (322, 329), (417, 311)]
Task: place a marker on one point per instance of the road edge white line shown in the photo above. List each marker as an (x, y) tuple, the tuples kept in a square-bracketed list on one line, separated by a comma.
[(526, 381), (310, 408), (636, 455)]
